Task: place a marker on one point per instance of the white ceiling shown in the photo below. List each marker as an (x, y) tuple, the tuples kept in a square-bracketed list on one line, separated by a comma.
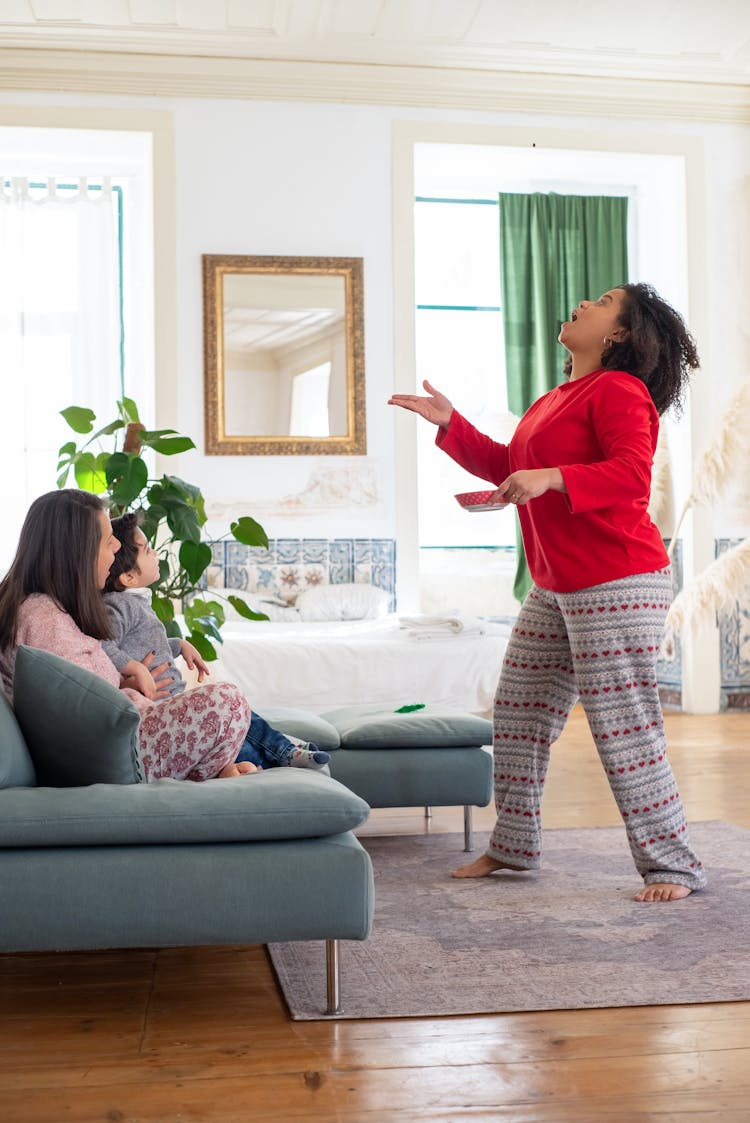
[(681, 40)]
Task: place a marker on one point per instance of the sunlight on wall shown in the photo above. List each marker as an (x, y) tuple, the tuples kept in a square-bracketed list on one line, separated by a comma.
[(60, 338)]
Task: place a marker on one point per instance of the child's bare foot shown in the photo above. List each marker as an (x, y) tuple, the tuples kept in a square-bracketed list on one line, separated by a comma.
[(483, 866), (662, 891), (239, 768)]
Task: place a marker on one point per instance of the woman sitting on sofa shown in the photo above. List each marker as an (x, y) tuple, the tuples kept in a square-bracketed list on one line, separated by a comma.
[(51, 598)]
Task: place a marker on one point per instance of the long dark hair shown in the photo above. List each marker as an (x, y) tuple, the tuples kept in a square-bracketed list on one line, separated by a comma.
[(658, 348), (57, 555)]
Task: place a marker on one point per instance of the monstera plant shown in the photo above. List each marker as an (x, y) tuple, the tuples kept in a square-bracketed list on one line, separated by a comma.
[(172, 513)]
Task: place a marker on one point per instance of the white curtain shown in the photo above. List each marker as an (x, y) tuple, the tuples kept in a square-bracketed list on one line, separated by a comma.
[(59, 327)]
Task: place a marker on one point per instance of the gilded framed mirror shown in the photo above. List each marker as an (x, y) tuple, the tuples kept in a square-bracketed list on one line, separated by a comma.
[(284, 355)]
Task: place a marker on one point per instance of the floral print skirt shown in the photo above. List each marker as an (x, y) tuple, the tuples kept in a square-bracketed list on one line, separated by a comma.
[(193, 735)]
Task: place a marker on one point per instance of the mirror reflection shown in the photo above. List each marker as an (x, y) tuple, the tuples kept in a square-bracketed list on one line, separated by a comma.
[(284, 355)]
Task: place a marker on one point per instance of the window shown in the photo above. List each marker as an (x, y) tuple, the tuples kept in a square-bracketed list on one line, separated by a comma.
[(459, 348), (458, 322), (75, 294)]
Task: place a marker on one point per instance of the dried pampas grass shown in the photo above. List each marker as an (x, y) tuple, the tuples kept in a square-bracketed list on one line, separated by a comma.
[(661, 505), (713, 591), (725, 460)]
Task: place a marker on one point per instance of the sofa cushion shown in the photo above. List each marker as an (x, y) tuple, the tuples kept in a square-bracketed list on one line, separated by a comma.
[(373, 727), (303, 724), (280, 803), (78, 728), (16, 768)]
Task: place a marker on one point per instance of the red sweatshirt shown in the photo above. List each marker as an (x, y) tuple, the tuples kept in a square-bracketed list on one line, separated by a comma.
[(600, 431)]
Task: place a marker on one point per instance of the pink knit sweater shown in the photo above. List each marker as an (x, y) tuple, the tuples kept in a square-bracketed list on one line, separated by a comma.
[(43, 624)]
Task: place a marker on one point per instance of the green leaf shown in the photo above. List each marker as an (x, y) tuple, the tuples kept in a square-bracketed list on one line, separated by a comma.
[(66, 450), (216, 609), (62, 479), (128, 411), (203, 646), (200, 510), (80, 419), (108, 430), (186, 490), (127, 476), (173, 629), (205, 617), (90, 475), (249, 532), (206, 626), (195, 557), (164, 570), (167, 446), (199, 610), (183, 522), (152, 516), (244, 609), (163, 608)]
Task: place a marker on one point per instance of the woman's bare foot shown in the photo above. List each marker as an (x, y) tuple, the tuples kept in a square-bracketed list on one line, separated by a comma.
[(483, 866), (662, 891), (239, 768)]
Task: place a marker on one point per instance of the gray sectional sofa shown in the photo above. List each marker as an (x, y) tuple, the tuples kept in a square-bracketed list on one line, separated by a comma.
[(100, 865), (91, 857), (428, 756)]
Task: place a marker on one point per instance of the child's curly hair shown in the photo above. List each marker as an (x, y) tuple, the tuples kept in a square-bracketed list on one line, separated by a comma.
[(126, 558)]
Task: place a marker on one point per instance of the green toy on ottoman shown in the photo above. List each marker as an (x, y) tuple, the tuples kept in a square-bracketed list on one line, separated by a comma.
[(403, 756)]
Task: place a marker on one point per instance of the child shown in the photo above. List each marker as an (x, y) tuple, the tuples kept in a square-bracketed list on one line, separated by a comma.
[(142, 651)]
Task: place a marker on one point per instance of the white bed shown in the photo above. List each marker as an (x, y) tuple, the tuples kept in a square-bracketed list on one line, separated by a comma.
[(321, 666)]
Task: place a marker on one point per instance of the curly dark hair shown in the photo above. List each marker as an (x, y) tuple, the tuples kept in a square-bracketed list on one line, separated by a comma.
[(126, 558), (658, 348)]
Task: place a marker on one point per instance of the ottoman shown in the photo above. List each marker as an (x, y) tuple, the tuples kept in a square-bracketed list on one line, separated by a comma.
[(430, 757)]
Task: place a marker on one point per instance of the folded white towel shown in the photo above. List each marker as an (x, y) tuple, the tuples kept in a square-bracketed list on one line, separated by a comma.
[(442, 627)]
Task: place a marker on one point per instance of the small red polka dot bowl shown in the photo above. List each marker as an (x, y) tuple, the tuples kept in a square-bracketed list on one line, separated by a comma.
[(479, 501)]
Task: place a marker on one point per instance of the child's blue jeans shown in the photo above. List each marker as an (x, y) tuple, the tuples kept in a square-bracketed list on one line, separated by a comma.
[(265, 745)]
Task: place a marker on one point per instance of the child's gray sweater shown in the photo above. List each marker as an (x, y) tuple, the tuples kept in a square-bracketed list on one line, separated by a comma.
[(137, 630)]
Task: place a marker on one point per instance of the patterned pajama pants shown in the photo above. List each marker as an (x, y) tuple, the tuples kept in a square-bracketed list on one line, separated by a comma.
[(193, 735), (598, 645)]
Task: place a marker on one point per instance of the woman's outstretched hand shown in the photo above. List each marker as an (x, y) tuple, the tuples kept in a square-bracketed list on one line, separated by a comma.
[(435, 408)]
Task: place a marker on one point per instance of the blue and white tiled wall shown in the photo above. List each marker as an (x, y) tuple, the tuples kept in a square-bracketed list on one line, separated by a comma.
[(290, 565), (734, 640)]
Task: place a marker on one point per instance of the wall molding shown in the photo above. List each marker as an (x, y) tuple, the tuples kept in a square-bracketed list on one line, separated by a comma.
[(152, 75)]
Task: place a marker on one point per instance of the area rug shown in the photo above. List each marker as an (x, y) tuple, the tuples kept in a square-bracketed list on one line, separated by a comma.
[(567, 937)]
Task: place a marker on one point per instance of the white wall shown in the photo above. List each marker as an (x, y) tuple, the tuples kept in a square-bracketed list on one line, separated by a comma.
[(315, 179)]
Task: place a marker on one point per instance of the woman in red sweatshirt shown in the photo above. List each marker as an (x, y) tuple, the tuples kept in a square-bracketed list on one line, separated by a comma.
[(579, 469)]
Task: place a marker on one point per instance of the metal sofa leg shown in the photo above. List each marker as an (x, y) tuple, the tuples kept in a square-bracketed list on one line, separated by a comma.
[(468, 833), (333, 979)]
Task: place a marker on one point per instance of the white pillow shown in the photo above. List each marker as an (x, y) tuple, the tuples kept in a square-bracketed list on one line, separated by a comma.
[(274, 610), (278, 613), (342, 602)]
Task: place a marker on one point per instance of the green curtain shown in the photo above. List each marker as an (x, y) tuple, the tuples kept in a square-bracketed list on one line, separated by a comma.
[(554, 251)]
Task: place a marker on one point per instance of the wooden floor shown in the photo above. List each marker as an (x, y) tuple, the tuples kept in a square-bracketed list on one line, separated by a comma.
[(202, 1035)]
